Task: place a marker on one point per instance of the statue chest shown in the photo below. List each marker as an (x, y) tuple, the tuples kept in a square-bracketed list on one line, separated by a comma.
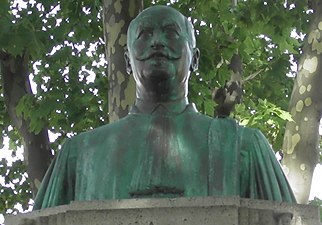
[(161, 157)]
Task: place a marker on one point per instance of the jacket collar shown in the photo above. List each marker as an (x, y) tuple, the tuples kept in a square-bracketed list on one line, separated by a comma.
[(173, 107)]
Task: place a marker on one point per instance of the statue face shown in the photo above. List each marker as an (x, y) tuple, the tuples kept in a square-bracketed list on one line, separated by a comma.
[(159, 51)]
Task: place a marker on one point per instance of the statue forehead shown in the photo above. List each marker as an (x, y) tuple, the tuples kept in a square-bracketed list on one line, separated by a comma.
[(160, 16), (152, 16)]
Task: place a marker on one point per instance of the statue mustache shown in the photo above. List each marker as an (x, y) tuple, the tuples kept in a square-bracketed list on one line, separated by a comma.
[(149, 55)]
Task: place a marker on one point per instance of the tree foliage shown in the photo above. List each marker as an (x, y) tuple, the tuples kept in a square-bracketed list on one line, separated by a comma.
[(261, 34), (65, 46)]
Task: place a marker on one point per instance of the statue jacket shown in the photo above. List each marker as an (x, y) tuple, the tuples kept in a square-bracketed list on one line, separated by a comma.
[(164, 153)]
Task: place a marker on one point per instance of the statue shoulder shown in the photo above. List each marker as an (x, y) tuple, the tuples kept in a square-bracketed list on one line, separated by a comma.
[(253, 142), (107, 129), (96, 136), (249, 135), (243, 132), (248, 139), (224, 123)]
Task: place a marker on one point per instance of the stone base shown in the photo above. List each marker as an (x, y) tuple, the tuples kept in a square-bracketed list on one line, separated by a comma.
[(175, 211)]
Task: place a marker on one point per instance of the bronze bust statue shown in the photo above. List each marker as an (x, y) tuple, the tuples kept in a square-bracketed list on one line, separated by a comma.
[(164, 147)]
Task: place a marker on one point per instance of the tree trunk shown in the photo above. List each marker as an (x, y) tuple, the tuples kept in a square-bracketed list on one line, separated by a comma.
[(117, 16), (301, 140), (15, 81)]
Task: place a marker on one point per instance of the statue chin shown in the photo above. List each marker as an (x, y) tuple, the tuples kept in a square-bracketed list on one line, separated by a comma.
[(159, 73)]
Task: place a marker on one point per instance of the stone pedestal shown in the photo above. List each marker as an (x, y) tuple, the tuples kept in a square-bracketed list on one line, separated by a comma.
[(175, 211)]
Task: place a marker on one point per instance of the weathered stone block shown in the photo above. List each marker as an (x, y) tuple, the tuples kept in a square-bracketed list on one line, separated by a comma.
[(175, 211)]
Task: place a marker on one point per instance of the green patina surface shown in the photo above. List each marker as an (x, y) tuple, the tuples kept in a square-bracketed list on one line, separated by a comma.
[(164, 147), (165, 155)]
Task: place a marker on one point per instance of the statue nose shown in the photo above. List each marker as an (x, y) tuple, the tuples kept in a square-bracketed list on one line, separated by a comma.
[(157, 41), (158, 44)]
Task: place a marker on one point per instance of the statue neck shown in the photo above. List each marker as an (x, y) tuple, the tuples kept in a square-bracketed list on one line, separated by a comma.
[(157, 94), (149, 107)]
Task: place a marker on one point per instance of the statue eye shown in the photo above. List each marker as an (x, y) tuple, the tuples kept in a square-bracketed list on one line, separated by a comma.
[(172, 33), (145, 33)]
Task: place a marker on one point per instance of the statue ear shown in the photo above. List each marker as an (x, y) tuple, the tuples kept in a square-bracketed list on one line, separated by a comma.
[(127, 63), (195, 60)]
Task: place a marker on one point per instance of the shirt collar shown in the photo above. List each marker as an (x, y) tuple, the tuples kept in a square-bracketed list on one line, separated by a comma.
[(173, 107)]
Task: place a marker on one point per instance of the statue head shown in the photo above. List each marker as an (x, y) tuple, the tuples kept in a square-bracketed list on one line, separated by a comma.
[(161, 53)]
